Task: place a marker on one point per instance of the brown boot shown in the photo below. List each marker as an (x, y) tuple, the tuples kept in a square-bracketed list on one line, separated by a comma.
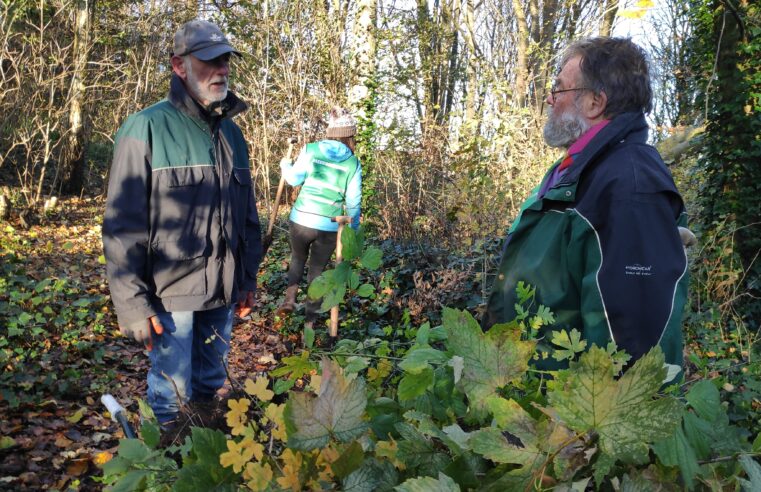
[(289, 303)]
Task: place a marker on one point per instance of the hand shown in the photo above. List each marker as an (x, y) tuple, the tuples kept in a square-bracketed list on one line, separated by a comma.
[(141, 330), (245, 305)]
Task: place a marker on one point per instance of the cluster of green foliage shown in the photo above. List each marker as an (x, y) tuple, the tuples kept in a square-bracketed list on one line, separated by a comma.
[(42, 323), (450, 407), (726, 59), (460, 410)]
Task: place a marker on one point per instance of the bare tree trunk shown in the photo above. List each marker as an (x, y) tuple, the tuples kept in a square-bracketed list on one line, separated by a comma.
[(521, 63), (73, 155), (363, 55), (608, 16), (471, 97)]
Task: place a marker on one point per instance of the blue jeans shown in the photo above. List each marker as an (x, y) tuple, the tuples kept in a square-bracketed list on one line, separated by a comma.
[(196, 368)]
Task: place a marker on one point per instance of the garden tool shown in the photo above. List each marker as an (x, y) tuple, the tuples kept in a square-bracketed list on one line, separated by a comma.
[(118, 415), (268, 237), (342, 221)]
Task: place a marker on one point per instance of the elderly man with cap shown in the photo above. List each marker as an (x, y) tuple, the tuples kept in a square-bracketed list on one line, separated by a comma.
[(181, 231), (330, 176)]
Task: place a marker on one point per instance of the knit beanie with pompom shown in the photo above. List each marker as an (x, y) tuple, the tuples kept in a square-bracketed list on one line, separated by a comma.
[(341, 124)]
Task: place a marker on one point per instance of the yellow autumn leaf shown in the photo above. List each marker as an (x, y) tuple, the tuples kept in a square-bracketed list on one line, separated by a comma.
[(259, 388), (256, 448), (315, 383), (645, 4), (236, 417), (76, 417), (381, 371), (325, 459), (237, 455), (291, 468), (275, 414), (258, 476), (633, 13), (102, 458), (388, 449)]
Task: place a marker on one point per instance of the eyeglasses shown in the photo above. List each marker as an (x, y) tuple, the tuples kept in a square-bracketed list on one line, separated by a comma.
[(555, 91)]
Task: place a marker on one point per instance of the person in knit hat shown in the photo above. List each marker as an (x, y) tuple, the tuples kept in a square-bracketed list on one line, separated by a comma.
[(330, 176)]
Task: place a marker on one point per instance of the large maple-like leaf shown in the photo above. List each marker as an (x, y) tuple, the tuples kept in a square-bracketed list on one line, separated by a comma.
[(624, 413), (490, 360), (337, 411)]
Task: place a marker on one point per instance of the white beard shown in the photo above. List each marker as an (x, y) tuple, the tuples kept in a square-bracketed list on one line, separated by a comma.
[(205, 95), (562, 131)]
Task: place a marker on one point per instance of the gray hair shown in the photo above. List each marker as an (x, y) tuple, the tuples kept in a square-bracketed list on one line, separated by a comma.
[(617, 67)]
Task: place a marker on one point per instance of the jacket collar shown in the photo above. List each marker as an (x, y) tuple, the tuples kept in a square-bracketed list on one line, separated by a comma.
[(626, 126), (181, 99)]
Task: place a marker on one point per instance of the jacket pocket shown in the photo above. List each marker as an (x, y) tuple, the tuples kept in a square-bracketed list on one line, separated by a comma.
[(179, 268)]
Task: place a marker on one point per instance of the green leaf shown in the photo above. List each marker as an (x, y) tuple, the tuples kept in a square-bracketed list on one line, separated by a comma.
[(351, 459), (429, 484), (699, 434), (625, 414), (543, 317), (319, 286), (365, 290), (371, 258), (283, 385), (102, 259), (150, 433), (354, 280), (492, 444), (208, 444), (295, 365), (351, 243), (133, 480), (524, 292), (116, 466), (67, 246), (333, 297), (308, 336), (82, 302), (133, 450), (572, 344), (423, 334), (490, 360), (374, 475), (342, 273), (25, 318), (414, 385), (6, 442), (754, 473), (705, 399), (337, 411), (417, 451), (418, 360), (355, 364), (677, 451)]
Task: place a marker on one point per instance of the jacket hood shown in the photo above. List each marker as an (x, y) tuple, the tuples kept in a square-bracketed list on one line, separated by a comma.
[(183, 101), (334, 150)]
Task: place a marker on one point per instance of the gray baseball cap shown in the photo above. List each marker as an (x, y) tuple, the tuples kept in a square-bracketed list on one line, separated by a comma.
[(202, 39)]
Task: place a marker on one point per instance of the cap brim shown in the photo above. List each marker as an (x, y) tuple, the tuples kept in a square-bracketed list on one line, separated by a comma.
[(211, 52)]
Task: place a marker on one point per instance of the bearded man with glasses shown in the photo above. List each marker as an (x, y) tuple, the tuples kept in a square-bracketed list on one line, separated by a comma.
[(599, 237)]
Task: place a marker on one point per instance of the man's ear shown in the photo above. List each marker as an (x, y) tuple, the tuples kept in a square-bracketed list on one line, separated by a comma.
[(596, 105), (178, 67)]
